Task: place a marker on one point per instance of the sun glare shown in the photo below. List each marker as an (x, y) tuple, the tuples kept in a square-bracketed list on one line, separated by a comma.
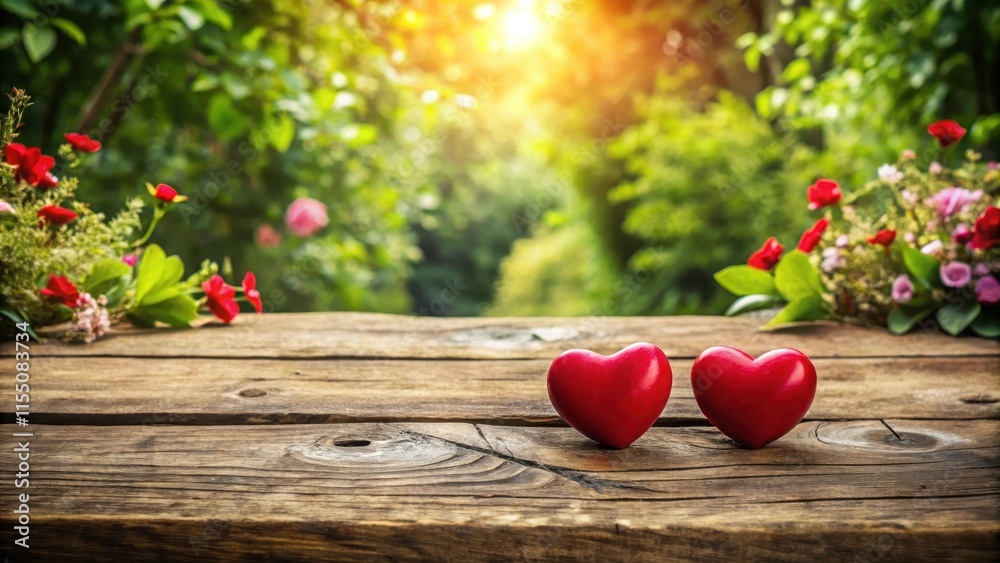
[(521, 28)]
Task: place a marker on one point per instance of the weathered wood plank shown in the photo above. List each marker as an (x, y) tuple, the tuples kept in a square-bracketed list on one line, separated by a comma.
[(366, 335), (845, 490), (207, 391)]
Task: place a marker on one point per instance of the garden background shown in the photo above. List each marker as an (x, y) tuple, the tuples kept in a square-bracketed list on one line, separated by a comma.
[(507, 158)]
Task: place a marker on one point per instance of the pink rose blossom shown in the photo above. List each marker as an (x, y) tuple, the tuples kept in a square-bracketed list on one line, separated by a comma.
[(130, 259), (956, 274), (962, 234), (953, 200), (7, 208), (934, 168), (909, 154), (988, 290), (266, 236), (306, 216), (981, 270), (902, 289)]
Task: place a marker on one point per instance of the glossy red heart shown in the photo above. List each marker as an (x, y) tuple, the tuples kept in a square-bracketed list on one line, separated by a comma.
[(754, 402), (613, 399)]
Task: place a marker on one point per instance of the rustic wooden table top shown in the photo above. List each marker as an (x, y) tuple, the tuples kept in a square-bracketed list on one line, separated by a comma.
[(358, 436)]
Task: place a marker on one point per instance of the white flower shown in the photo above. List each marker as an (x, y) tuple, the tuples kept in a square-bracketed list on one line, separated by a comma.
[(910, 197), (932, 247), (7, 208), (91, 320), (934, 168), (889, 173), (833, 260)]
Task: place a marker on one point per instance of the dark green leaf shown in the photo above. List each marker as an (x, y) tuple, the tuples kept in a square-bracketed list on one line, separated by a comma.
[(902, 319), (956, 317), (749, 303), (987, 324), (23, 8)]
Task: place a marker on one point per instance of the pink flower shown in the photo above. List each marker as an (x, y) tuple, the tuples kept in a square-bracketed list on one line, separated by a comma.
[(909, 154), (910, 197), (993, 165), (266, 236), (953, 200), (305, 216), (962, 234), (956, 274), (988, 290), (842, 241), (833, 260), (7, 208), (934, 168), (902, 289), (130, 259), (981, 270)]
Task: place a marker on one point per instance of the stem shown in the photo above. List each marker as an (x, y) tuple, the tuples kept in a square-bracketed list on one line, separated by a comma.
[(157, 215)]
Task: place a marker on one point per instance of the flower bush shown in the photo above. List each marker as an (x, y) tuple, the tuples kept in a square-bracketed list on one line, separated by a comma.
[(63, 264), (914, 246)]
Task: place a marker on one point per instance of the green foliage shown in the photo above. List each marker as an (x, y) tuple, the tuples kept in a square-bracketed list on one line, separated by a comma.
[(744, 280)]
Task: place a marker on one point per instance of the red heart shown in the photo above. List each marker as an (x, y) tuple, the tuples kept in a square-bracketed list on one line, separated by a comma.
[(754, 402), (613, 399)]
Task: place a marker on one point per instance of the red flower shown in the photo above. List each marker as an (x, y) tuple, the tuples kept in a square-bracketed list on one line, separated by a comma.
[(32, 166), (165, 193), (48, 181), (61, 290), (767, 256), (946, 131), (250, 290), (82, 142), (987, 230), (883, 237), (220, 299), (56, 214), (824, 192), (811, 237)]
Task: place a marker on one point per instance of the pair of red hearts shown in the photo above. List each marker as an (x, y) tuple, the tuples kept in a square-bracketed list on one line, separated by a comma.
[(613, 400)]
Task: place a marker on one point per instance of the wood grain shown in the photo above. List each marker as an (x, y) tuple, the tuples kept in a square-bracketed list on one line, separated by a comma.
[(372, 336), (208, 391), (839, 490)]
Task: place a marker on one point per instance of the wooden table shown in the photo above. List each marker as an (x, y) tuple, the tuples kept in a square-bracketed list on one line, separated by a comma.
[(360, 436)]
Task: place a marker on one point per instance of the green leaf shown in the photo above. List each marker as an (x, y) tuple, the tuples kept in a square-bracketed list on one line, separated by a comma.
[(956, 317), (902, 319), (808, 308), (744, 280), (192, 19), (987, 324), (225, 119), (72, 30), (282, 132), (178, 311), (9, 37), (18, 318), (923, 268), (104, 275), (235, 85), (749, 303), (158, 295), (21, 8), (38, 41), (204, 82), (154, 4), (796, 277), (149, 270)]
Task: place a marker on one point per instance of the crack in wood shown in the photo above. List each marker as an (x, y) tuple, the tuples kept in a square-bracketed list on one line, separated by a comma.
[(886, 424), (596, 484)]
